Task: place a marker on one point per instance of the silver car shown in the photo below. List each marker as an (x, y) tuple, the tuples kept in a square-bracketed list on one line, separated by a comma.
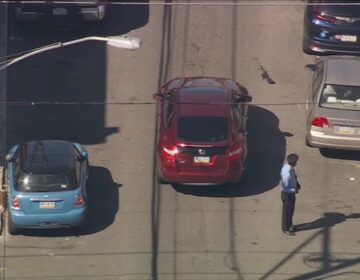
[(333, 119)]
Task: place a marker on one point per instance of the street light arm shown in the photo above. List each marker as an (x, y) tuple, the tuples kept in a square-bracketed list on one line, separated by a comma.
[(24, 56), (91, 38), (116, 41), (51, 47)]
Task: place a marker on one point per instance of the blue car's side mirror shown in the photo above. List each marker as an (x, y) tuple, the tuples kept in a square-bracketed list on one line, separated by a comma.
[(9, 157), (84, 154)]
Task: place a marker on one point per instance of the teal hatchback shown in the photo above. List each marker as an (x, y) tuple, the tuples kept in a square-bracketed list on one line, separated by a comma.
[(46, 185)]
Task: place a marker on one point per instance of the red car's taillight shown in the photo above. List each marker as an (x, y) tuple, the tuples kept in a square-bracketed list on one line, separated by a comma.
[(320, 122), (79, 200), (170, 153), (15, 203), (326, 18), (235, 152)]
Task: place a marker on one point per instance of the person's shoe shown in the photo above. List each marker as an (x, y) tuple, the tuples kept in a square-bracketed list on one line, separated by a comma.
[(288, 232), (292, 228)]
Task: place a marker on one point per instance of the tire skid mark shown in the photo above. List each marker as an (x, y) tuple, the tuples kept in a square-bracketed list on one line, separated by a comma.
[(233, 263)]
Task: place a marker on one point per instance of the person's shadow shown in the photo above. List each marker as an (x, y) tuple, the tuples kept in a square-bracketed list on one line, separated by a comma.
[(330, 219)]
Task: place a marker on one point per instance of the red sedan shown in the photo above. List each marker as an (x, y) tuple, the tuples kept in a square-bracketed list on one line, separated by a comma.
[(202, 131)]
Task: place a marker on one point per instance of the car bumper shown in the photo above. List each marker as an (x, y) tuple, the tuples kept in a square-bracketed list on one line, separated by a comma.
[(70, 219), (320, 140), (233, 174), (96, 13), (327, 47)]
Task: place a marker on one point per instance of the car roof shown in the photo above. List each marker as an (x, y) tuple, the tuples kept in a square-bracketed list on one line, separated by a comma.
[(343, 70), (46, 157), (203, 101)]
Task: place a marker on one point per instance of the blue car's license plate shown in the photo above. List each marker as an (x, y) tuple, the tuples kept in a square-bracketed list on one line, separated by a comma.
[(47, 204)]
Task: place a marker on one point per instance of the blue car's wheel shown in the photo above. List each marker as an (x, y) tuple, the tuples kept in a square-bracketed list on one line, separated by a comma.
[(12, 229), (84, 226)]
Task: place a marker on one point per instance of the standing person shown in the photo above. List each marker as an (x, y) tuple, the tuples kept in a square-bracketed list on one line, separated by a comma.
[(289, 188)]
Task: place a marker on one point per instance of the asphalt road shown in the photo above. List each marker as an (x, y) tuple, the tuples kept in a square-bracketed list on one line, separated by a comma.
[(142, 230)]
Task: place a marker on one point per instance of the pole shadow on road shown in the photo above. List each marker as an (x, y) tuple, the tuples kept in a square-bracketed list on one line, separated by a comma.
[(329, 219), (266, 153), (165, 55), (103, 204), (324, 264)]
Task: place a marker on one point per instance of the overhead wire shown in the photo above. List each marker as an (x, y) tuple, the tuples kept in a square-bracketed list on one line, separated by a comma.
[(184, 2), (115, 103)]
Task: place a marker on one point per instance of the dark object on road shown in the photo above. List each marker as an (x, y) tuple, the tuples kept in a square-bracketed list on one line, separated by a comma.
[(331, 29), (202, 131), (265, 76)]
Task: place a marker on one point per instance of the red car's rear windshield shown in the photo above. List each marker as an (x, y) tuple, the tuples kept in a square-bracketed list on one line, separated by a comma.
[(202, 129)]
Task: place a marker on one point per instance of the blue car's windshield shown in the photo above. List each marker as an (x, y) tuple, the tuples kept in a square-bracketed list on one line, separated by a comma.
[(46, 183)]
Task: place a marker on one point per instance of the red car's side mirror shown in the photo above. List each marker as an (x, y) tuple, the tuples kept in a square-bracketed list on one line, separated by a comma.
[(157, 96), (244, 98)]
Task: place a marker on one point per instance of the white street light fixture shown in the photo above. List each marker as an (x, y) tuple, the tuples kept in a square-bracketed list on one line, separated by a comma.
[(130, 43), (124, 42)]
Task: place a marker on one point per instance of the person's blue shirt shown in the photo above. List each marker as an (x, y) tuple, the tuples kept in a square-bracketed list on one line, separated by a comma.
[(288, 180)]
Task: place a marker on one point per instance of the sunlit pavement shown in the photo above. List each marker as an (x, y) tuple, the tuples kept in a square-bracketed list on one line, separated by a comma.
[(141, 230)]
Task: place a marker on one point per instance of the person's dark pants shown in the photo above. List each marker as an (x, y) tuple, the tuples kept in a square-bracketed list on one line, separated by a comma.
[(288, 200)]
